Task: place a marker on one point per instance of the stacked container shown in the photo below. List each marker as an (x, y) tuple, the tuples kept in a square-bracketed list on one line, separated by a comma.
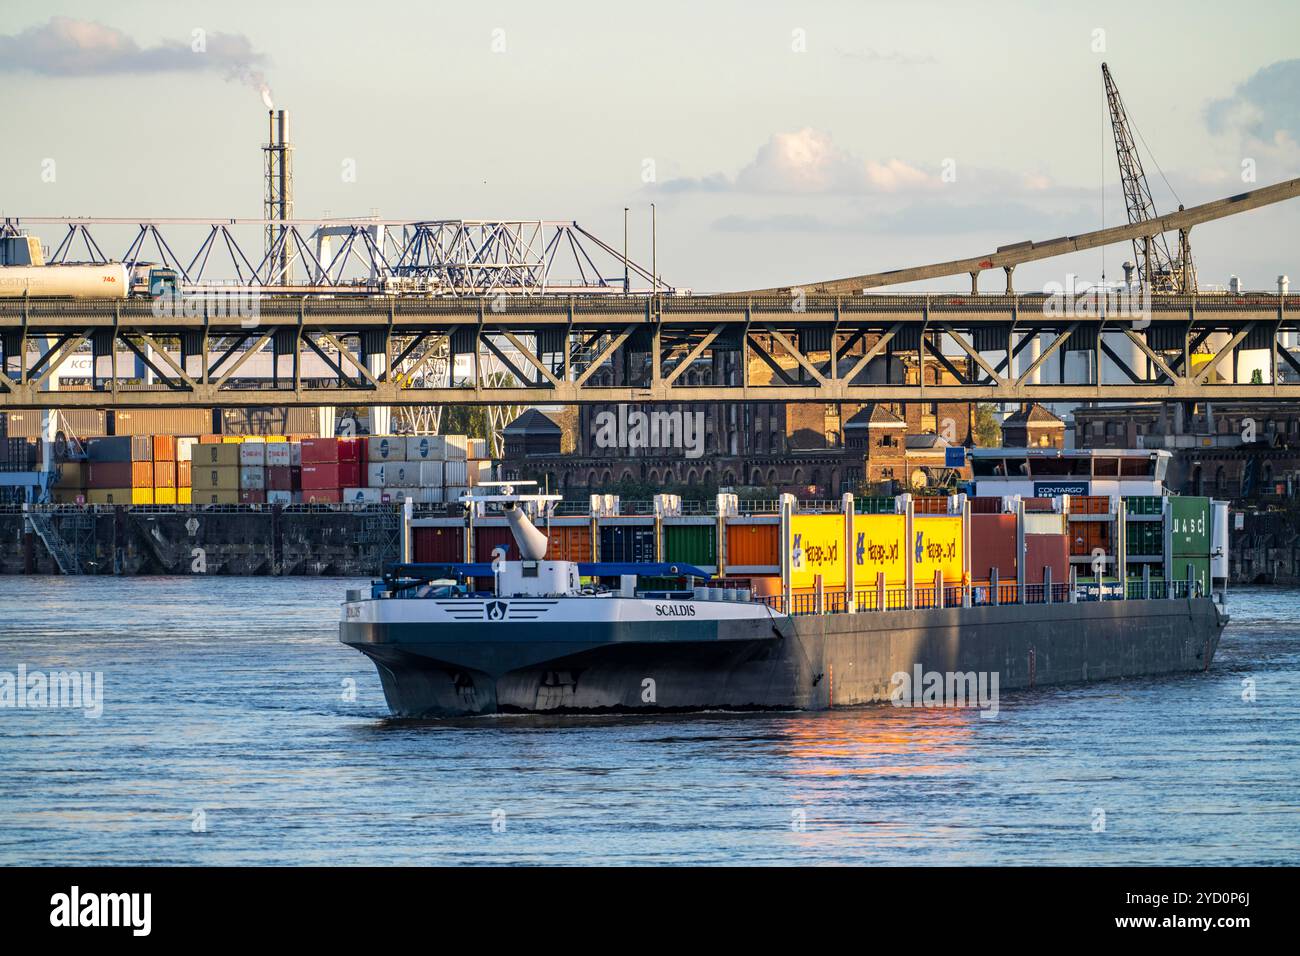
[(1189, 537), (120, 470)]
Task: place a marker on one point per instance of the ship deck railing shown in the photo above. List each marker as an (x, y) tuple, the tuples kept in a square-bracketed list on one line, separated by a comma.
[(978, 595)]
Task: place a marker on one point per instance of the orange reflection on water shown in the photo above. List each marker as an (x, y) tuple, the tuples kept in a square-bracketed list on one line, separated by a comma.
[(880, 741)]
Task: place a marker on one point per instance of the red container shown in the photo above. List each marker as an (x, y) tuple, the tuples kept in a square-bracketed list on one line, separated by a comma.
[(279, 478), (993, 545), (930, 505), (986, 505), (317, 451), (322, 496), (352, 474), (322, 476), (1038, 504), (485, 539), (247, 497), (1047, 550), (439, 545), (1089, 536), (109, 474), (352, 449)]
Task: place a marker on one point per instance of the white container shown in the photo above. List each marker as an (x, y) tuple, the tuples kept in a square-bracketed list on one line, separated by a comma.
[(278, 454), (423, 496), (362, 496), (402, 474), (430, 474), (454, 447), (251, 477), (479, 472), (1040, 522), (455, 473), (385, 448), (295, 453), (279, 497), (453, 492), (185, 448), (477, 449), (423, 448), (252, 453)]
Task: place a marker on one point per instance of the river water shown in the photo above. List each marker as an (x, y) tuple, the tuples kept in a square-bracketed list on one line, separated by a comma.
[(230, 735)]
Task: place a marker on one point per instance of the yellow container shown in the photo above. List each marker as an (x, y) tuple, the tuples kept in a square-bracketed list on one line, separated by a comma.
[(214, 478), (936, 546), (275, 438), (231, 439), (141, 496), (877, 546), (817, 547), (183, 496), (164, 496)]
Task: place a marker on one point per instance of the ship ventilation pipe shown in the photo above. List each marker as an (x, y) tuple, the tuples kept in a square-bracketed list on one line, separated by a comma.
[(532, 543)]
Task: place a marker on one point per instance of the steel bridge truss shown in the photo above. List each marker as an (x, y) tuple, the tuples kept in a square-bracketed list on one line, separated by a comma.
[(648, 349), (453, 257)]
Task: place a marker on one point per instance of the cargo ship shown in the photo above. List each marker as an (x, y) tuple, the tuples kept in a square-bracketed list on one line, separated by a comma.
[(1017, 584)]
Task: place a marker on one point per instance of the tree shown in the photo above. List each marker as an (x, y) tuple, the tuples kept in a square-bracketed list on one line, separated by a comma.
[(988, 433)]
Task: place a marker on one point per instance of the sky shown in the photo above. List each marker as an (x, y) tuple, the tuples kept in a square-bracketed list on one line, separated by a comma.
[(781, 142)]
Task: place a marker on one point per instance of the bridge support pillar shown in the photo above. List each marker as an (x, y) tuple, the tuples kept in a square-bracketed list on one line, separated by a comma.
[(974, 283), (1011, 289)]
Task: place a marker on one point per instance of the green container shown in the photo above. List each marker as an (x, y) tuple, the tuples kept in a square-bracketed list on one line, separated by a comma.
[(873, 506), (1143, 504), (1190, 526), (1200, 568), (1144, 539), (691, 543)]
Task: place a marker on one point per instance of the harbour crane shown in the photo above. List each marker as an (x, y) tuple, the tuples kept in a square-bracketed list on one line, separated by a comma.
[(1160, 271)]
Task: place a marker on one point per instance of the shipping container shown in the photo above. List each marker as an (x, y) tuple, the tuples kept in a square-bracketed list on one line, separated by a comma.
[(393, 474), (183, 471), (477, 449), (569, 543), (222, 478), (120, 474), (993, 546), (1144, 539), (320, 476), (1144, 504), (164, 447), (937, 546), (252, 496), (252, 478), (479, 472), (627, 543), (184, 495), (316, 451), (1089, 505), (352, 474), (930, 505), (454, 447), (279, 478), (295, 454), (1039, 504), (422, 448), (149, 422), (488, 537), (164, 475), (442, 545), (424, 496), (1047, 550), (210, 440), (363, 496), (273, 420), (218, 496), (109, 496), (279, 454), (1190, 525), (221, 455), (252, 454), (1087, 537), (455, 473), (385, 448), (352, 449), (321, 496), (120, 448), (817, 548), (430, 474), (277, 497), (985, 505), (164, 496), (83, 423), (185, 448), (72, 474), (876, 505), (1198, 568), (750, 545), (454, 492), (1044, 523), (691, 544)]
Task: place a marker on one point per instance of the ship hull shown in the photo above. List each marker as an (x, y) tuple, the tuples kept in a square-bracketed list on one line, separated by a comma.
[(808, 662)]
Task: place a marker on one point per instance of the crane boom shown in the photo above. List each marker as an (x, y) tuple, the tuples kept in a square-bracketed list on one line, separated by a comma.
[(1160, 270)]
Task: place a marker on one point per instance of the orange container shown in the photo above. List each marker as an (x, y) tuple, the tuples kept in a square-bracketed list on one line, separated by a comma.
[(930, 505), (141, 474), (164, 474), (1089, 505), (164, 448), (209, 439), (183, 471), (569, 543), (753, 544)]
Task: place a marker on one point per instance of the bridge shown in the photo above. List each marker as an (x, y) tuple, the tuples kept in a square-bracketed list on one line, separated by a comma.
[(648, 348)]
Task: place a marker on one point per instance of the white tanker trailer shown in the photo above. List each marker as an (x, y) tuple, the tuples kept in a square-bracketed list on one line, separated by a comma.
[(111, 280)]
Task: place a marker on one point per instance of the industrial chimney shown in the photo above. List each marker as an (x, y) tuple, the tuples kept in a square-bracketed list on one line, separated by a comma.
[(279, 198)]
